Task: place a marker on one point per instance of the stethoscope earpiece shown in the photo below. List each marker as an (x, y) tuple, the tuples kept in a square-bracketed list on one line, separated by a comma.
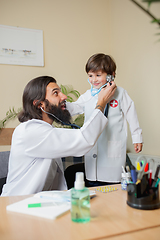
[(94, 91), (109, 78)]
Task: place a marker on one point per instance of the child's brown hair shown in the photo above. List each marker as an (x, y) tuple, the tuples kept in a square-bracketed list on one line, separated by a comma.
[(101, 62)]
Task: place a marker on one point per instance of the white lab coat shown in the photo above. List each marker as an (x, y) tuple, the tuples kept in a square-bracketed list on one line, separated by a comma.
[(37, 147), (105, 160)]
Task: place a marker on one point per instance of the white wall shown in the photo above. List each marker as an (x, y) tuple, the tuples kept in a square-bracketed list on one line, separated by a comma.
[(70, 37), (73, 31), (137, 52)]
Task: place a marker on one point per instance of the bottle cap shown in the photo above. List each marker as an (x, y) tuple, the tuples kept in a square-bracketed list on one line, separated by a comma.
[(79, 182)]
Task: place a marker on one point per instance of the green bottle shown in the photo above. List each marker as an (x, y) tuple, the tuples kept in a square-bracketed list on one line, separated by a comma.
[(80, 200)]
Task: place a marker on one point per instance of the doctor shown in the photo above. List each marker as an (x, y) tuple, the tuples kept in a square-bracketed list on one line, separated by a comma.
[(37, 146)]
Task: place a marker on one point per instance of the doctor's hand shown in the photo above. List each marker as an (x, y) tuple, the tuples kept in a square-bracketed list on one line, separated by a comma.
[(105, 95)]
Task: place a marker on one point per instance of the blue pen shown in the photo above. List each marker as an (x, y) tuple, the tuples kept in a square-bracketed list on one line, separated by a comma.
[(133, 175)]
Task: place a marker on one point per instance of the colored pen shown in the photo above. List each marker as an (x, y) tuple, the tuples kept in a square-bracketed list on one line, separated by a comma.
[(156, 176), (156, 185), (44, 204), (133, 175), (150, 178)]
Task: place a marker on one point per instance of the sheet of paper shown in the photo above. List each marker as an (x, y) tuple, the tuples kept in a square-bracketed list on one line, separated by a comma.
[(50, 212), (61, 203)]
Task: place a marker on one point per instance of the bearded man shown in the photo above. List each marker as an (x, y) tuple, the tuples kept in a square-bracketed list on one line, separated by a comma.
[(37, 146)]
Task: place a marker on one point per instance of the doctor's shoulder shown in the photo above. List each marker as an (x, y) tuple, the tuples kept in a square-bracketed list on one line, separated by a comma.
[(36, 127), (37, 123)]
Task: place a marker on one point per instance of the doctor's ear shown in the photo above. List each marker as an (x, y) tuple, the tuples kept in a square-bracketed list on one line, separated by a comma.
[(37, 104)]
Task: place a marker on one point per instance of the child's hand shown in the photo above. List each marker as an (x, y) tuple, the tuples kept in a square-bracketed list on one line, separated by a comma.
[(138, 147)]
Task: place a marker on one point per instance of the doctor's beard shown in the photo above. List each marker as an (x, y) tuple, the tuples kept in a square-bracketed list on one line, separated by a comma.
[(63, 115)]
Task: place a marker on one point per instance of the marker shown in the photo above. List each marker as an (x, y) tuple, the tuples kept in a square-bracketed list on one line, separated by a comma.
[(150, 178), (156, 176), (156, 185), (44, 204), (134, 175)]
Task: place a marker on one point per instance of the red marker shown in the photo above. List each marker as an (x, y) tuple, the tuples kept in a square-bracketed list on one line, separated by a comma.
[(150, 177)]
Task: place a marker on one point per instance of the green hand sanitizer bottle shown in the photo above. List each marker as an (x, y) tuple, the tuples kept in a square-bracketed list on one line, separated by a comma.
[(80, 200)]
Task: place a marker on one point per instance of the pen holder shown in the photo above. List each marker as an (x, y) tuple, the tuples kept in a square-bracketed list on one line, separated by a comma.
[(143, 197)]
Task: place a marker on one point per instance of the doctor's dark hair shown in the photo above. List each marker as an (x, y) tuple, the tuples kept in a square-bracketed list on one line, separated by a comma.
[(35, 90), (101, 62)]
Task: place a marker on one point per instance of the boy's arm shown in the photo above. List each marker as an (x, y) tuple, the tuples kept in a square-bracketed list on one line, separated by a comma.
[(76, 107), (130, 114)]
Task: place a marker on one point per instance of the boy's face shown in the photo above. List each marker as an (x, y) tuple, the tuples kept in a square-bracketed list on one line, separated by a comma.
[(97, 79)]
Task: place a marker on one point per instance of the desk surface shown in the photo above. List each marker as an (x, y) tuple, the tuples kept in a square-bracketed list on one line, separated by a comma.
[(111, 218), (145, 234)]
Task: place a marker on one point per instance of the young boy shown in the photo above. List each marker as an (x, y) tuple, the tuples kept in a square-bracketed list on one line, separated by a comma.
[(103, 163)]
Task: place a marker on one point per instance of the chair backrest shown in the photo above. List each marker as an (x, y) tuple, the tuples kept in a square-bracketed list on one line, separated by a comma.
[(4, 158)]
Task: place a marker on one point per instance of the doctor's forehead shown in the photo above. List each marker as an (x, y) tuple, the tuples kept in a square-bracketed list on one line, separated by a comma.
[(51, 87)]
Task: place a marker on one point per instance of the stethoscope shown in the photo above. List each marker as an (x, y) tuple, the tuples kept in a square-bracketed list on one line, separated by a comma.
[(67, 124), (109, 79), (94, 91)]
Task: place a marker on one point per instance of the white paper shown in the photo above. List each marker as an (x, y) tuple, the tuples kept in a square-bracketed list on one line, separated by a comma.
[(60, 199), (50, 212)]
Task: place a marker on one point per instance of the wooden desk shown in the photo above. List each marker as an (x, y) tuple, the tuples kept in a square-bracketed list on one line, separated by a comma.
[(111, 217), (146, 234)]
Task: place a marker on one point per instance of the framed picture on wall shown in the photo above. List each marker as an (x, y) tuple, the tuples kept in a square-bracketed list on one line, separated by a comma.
[(21, 46)]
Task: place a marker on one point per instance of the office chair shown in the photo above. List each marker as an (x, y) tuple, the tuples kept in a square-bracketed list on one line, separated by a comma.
[(70, 173), (4, 158)]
